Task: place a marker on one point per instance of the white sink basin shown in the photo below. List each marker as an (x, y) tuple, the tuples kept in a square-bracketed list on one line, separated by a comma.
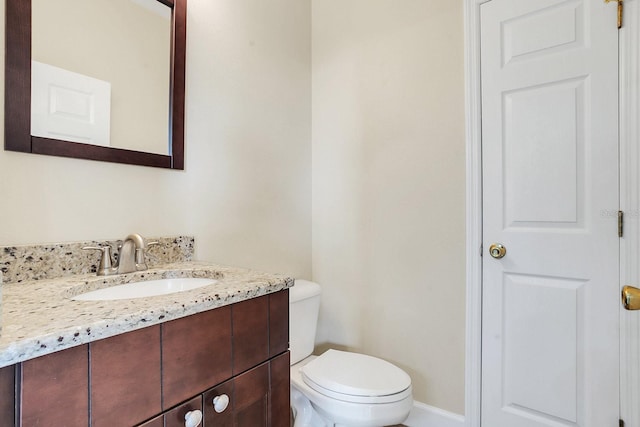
[(145, 289)]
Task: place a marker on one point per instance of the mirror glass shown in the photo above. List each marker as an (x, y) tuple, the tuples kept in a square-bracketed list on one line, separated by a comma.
[(106, 73)]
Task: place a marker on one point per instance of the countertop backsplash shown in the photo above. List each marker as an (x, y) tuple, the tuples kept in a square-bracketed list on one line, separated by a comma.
[(48, 261)]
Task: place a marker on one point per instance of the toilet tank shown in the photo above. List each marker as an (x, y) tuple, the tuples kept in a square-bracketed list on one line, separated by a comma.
[(304, 305)]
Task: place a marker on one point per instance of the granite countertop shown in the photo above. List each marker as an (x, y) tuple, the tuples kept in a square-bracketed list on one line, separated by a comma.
[(39, 317)]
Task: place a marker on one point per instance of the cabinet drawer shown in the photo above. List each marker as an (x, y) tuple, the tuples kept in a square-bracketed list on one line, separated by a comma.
[(196, 352), (278, 322), (55, 389), (260, 329), (250, 333), (125, 378)]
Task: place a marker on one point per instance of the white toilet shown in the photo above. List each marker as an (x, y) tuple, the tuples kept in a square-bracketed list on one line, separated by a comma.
[(337, 388)]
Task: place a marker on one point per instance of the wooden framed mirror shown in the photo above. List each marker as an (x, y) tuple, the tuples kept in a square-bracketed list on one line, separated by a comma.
[(18, 97)]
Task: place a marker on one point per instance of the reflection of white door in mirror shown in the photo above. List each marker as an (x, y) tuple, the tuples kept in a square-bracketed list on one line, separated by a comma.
[(122, 42), (69, 106)]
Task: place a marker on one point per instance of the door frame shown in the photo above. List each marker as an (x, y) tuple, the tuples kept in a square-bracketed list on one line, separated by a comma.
[(473, 102), (630, 204), (629, 130)]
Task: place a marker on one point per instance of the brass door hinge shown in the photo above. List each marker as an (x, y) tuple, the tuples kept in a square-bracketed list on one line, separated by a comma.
[(621, 424), (620, 11), (620, 223)]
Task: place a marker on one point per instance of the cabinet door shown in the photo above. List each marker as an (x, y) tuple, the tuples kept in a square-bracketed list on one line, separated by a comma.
[(251, 397), (176, 416), (125, 378), (196, 353), (248, 400), (280, 394), (55, 389), (250, 333), (220, 417), (155, 422), (7, 395)]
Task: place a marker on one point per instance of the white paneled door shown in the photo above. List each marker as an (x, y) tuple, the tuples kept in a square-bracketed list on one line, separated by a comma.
[(550, 333)]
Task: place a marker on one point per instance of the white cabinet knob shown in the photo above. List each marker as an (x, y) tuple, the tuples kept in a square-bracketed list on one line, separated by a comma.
[(220, 403), (193, 418)]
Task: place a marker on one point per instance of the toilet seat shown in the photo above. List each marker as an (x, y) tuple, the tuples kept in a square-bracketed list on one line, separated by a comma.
[(339, 411), (356, 378)]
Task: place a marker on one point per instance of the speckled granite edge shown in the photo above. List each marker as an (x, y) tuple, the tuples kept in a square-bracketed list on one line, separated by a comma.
[(49, 261), (39, 317)]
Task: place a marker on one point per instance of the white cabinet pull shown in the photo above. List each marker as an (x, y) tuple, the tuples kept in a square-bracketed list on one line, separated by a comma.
[(220, 403), (193, 418)]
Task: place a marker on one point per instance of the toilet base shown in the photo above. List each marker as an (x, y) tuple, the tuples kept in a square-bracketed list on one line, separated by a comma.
[(304, 415)]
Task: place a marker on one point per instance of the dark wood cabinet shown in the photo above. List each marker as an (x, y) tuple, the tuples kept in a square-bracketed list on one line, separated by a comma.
[(257, 398), (250, 333), (55, 389), (155, 422), (249, 396), (125, 378), (196, 353), (222, 417), (278, 322), (153, 377), (176, 416), (280, 405), (7, 391)]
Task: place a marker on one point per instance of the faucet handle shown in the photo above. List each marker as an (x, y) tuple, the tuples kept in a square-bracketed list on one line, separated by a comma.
[(148, 246), (105, 259), (141, 259)]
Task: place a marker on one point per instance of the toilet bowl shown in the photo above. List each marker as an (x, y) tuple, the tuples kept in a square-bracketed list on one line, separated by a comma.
[(338, 388), (348, 401)]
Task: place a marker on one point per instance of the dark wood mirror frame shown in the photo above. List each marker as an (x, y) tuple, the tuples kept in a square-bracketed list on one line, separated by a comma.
[(17, 119)]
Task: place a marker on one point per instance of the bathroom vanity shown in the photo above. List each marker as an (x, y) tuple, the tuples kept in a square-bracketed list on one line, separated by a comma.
[(221, 349), (161, 372)]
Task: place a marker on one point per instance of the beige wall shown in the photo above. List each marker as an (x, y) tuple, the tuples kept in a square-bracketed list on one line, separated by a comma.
[(245, 193), (388, 185)]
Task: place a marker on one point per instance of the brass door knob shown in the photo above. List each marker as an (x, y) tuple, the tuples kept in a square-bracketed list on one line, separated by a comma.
[(497, 251), (631, 298)]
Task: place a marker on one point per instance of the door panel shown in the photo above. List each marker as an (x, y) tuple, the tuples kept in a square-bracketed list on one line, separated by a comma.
[(553, 27), (550, 178), (542, 354), (544, 190)]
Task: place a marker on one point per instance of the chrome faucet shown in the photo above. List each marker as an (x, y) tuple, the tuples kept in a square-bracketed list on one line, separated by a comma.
[(131, 256)]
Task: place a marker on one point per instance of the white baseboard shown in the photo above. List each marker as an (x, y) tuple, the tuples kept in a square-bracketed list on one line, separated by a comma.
[(423, 415)]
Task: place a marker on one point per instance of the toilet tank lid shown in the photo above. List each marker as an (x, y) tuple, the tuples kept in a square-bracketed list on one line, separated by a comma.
[(303, 289)]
